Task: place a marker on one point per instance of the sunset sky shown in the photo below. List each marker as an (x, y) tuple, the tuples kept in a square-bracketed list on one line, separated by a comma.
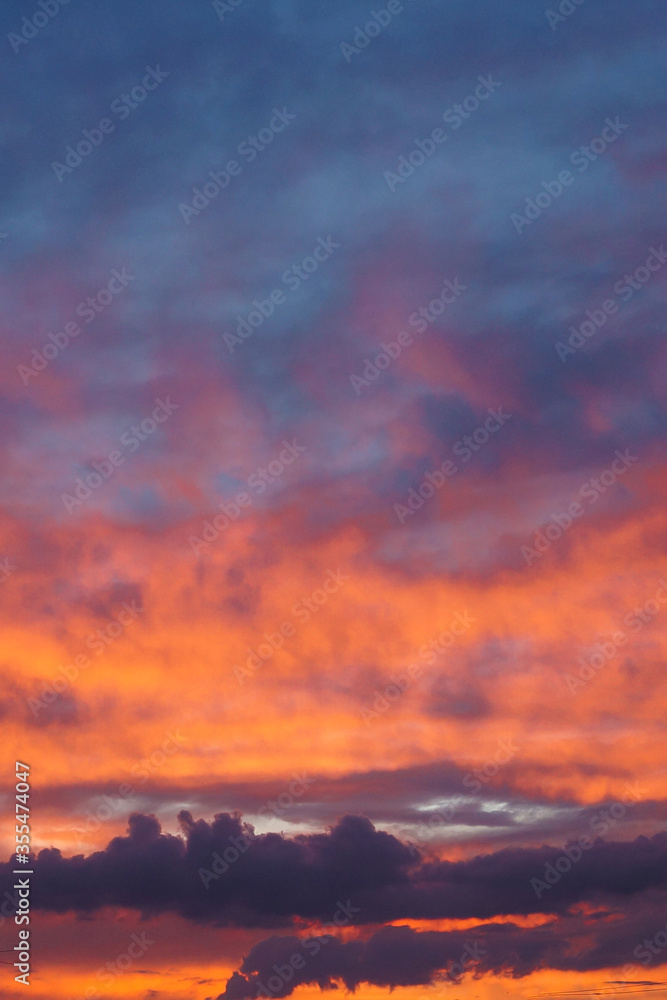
[(333, 534)]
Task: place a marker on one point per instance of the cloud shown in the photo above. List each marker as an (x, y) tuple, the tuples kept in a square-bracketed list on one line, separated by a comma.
[(276, 879), (402, 956)]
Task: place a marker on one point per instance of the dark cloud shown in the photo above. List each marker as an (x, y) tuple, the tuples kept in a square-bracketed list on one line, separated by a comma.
[(401, 956), (269, 880)]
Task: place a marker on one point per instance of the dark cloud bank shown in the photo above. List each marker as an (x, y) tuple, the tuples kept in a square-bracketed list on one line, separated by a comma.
[(601, 902)]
